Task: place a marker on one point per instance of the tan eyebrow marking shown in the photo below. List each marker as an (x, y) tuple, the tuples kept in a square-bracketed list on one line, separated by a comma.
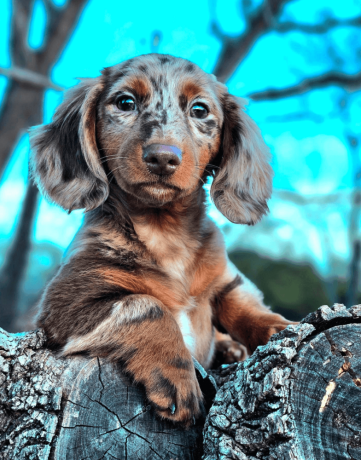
[(191, 90), (140, 86)]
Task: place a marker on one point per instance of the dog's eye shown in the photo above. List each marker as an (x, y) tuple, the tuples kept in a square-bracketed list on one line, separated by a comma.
[(199, 111), (126, 104)]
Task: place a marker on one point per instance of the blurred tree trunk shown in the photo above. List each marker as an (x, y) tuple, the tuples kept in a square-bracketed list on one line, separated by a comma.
[(17, 258), (352, 291), (20, 110), (24, 96), (353, 143), (22, 107), (354, 229)]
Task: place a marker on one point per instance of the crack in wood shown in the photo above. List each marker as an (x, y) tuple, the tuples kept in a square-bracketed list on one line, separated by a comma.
[(126, 447), (346, 354), (82, 426), (103, 456), (75, 404), (156, 453), (100, 378), (106, 408), (135, 416)]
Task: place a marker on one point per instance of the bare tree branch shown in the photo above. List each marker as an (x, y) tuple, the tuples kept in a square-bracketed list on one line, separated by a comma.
[(304, 200), (236, 49), (30, 78), (350, 82), (296, 116), (60, 25), (324, 27), (19, 29)]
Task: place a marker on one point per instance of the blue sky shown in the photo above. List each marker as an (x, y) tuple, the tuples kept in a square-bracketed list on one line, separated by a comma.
[(306, 133)]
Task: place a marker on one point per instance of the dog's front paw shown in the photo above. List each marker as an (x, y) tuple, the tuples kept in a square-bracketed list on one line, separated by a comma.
[(264, 327), (170, 383), (175, 393)]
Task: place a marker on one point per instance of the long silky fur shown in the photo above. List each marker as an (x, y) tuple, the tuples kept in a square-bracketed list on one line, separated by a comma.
[(147, 278)]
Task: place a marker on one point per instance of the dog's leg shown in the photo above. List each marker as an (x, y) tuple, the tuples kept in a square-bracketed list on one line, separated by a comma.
[(143, 335), (240, 311)]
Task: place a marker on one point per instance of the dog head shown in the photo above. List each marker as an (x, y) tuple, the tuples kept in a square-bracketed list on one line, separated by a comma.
[(158, 126)]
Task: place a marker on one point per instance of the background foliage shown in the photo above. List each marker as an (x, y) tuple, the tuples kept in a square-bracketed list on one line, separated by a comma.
[(299, 63)]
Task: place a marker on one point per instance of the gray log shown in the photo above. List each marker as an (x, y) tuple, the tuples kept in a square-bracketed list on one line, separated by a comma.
[(298, 397), (78, 408)]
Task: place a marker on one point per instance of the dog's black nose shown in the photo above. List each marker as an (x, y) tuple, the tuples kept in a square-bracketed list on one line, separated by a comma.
[(162, 159)]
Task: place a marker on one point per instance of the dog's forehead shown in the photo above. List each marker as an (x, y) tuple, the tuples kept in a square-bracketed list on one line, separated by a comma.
[(159, 72)]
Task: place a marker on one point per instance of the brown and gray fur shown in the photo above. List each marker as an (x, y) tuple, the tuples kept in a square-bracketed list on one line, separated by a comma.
[(147, 280)]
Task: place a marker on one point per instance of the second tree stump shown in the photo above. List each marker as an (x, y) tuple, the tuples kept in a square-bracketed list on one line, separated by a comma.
[(296, 398)]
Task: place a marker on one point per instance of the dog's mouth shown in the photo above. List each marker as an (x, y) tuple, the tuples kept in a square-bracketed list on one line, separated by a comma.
[(159, 187), (153, 191), (156, 193)]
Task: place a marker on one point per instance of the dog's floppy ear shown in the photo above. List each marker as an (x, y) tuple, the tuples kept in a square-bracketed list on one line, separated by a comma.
[(65, 161), (243, 183)]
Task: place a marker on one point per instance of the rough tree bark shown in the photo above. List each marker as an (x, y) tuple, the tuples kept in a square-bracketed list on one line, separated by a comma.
[(298, 397), (79, 408)]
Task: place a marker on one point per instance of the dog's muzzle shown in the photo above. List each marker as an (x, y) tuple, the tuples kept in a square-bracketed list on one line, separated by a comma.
[(162, 160)]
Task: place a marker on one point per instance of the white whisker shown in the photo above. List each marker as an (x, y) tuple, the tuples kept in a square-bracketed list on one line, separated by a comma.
[(110, 157), (113, 170)]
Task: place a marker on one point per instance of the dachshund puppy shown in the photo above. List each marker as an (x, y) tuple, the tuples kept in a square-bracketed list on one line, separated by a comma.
[(147, 279)]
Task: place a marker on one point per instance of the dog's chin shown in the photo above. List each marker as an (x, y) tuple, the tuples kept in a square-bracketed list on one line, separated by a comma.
[(154, 194), (157, 194)]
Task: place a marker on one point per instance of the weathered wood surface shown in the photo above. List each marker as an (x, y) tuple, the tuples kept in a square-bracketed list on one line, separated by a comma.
[(298, 397), (77, 409)]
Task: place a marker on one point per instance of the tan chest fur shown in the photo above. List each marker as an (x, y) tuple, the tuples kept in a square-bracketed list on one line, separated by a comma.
[(192, 269)]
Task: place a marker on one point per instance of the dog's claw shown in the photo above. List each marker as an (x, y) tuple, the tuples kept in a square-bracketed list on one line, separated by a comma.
[(172, 409)]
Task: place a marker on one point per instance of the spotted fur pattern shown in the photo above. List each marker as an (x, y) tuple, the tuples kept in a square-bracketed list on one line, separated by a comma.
[(147, 278)]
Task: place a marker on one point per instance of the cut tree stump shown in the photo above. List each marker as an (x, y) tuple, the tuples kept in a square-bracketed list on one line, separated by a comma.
[(82, 409), (298, 397)]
